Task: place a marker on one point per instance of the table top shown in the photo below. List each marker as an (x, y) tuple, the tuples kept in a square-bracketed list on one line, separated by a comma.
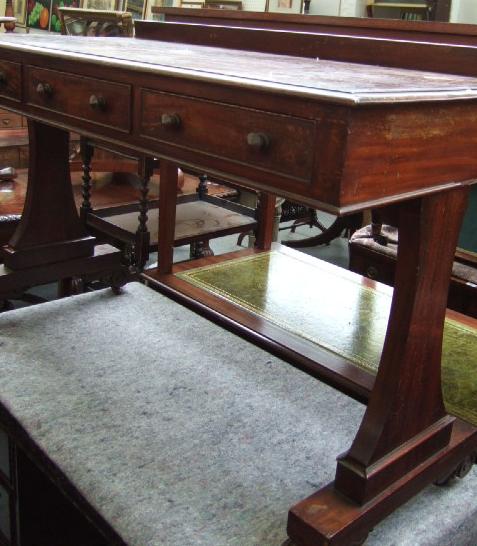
[(348, 83)]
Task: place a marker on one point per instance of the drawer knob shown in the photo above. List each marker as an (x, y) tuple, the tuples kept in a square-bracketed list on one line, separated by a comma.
[(258, 141), (44, 90), (97, 102), (3, 78), (171, 121)]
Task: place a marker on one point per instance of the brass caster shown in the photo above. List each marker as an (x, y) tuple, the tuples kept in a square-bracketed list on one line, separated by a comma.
[(459, 472)]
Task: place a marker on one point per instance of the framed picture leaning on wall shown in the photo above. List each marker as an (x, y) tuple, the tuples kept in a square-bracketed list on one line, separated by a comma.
[(109, 5), (137, 8), (284, 6), (19, 12)]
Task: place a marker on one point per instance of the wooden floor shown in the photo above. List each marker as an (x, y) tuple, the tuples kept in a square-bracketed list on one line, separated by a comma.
[(107, 190)]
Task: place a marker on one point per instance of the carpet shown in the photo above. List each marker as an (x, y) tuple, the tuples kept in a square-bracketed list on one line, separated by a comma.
[(180, 433)]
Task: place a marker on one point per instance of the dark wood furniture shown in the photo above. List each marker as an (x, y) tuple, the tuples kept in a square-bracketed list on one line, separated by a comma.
[(8, 491), (375, 257), (406, 440), (290, 211), (436, 31)]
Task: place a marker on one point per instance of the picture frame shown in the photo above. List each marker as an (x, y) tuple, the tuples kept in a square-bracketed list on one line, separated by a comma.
[(20, 12), (107, 5), (137, 8), (284, 6), (198, 4), (223, 4), (38, 13), (55, 20)]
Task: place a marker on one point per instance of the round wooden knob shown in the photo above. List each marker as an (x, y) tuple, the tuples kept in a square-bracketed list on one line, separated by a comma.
[(171, 121), (3, 78), (258, 141), (44, 89), (97, 102)]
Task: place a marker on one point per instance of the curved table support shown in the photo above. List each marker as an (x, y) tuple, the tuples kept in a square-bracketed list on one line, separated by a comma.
[(50, 229), (404, 441)]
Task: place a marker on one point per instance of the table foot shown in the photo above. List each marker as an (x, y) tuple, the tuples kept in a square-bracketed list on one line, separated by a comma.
[(328, 518), (44, 254), (104, 264), (49, 230), (460, 471)]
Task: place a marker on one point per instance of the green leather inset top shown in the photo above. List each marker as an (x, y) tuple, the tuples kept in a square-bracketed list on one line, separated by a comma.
[(327, 306)]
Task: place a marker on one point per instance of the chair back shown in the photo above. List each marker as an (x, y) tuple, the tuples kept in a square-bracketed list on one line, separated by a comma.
[(93, 22)]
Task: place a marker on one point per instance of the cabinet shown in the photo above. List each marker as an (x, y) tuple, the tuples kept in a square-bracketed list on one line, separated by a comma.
[(8, 527)]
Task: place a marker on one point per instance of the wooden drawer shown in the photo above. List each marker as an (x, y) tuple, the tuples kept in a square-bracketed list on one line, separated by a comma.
[(96, 101), (10, 157), (5, 487), (5, 516), (4, 455), (10, 80), (266, 140), (9, 120)]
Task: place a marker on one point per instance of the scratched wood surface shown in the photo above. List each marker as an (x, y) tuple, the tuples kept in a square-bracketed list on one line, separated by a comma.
[(335, 81)]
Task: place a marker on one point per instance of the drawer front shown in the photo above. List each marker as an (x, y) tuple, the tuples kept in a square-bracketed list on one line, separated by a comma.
[(10, 80), (96, 101), (9, 120), (9, 157), (5, 517), (4, 455), (272, 142)]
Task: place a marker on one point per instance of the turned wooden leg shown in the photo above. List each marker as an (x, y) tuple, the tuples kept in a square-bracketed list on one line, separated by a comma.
[(143, 237), (50, 229), (167, 216), (406, 440), (202, 188), (200, 249), (87, 152)]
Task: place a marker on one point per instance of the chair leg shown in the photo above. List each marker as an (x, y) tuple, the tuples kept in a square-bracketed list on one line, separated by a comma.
[(200, 249), (202, 188), (87, 151), (146, 169)]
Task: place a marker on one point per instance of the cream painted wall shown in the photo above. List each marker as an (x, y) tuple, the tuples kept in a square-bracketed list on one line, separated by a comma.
[(346, 8), (464, 11), (2, 12)]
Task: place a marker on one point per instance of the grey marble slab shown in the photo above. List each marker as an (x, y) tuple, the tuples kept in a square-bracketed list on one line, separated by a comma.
[(330, 80)]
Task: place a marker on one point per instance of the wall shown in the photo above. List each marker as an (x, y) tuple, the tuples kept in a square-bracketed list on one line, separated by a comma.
[(346, 8), (2, 12), (464, 11)]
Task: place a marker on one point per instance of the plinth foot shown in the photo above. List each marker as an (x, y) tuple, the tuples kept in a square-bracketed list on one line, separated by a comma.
[(328, 518)]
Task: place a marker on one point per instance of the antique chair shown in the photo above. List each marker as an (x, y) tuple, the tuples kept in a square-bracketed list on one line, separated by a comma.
[(93, 22), (373, 252)]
